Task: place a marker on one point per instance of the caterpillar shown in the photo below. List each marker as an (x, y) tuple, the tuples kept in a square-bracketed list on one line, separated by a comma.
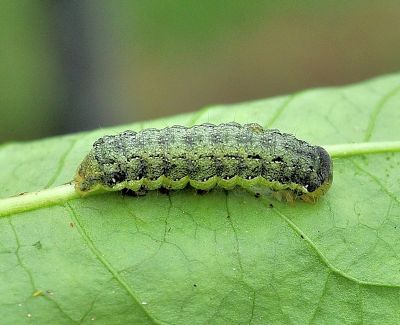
[(204, 156)]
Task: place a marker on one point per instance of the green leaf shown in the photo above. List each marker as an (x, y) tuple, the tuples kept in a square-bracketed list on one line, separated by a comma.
[(222, 257)]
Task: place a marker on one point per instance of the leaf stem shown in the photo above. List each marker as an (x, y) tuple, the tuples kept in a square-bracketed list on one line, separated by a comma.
[(61, 194), (34, 200), (353, 149)]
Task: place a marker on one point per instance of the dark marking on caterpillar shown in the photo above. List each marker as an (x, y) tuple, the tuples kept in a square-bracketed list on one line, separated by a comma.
[(204, 156)]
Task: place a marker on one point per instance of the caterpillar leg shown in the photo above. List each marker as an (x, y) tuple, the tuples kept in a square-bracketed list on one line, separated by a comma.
[(309, 198), (320, 191), (258, 191), (140, 192), (285, 196), (202, 192), (164, 190)]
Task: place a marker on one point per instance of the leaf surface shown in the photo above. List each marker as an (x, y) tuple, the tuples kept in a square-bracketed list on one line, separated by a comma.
[(222, 257)]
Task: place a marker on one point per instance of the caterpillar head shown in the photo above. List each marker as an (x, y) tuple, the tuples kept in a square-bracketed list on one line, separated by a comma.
[(325, 177)]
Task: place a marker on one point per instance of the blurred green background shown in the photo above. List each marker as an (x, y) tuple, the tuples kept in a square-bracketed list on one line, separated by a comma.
[(77, 65)]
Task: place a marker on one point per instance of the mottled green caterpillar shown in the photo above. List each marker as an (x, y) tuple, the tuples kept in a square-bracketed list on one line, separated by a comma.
[(204, 156)]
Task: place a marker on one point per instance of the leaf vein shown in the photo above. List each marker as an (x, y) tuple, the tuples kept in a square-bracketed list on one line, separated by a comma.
[(280, 110), (107, 264), (30, 276), (325, 260), (237, 244), (377, 110), (377, 181), (61, 163), (317, 308)]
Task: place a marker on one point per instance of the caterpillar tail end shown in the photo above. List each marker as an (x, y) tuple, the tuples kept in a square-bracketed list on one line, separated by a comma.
[(86, 177)]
